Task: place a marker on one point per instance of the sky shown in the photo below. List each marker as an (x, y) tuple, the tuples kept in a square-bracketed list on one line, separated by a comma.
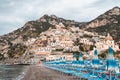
[(15, 13)]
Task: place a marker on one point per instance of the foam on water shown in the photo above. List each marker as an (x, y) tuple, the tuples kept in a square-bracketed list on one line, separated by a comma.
[(22, 74), (12, 72)]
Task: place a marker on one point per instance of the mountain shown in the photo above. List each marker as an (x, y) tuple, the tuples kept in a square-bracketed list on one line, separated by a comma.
[(31, 29), (12, 44), (109, 22), (34, 28)]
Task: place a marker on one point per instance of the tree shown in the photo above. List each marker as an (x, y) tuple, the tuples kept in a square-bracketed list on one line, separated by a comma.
[(76, 43), (103, 54), (17, 49), (81, 48), (77, 55), (92, 46), (1, 57)]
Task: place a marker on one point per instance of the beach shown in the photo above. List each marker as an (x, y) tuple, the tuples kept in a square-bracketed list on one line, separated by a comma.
[(39, 72)]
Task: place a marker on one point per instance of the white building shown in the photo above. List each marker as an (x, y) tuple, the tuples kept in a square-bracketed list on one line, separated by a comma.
[(86, 41), (30, 41), (65, 57), (103, 44)]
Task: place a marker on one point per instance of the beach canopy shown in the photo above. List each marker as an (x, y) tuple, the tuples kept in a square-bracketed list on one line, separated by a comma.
[(111, 64), (74, 62), (81, 61), (95, 60), (110, 51), (80, 55), (74, 56)]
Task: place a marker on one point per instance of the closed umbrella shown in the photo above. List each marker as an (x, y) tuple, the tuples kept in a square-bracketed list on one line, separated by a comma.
[(74, 62), (110, 62), (81, 61), (95, 60), (74, 56)]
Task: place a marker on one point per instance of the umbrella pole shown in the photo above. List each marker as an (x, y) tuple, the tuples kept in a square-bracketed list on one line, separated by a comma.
[(80, 72), (93, 71), (110, 75)]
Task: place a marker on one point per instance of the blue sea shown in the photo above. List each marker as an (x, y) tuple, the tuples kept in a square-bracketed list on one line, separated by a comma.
[(12, 72)]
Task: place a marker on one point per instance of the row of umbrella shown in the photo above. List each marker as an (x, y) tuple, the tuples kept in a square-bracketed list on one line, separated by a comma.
[(111, 65)]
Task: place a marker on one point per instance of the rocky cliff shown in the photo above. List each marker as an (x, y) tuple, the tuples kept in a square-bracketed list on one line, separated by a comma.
[(109, 22)]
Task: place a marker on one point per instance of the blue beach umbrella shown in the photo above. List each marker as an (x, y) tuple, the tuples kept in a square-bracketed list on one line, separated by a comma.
[(58, 60), (110, 62), (62, 60), (74, 56), (95, 60), (81, 61), (74, 61)]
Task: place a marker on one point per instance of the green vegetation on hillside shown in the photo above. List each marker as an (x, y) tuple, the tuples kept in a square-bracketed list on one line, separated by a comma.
[(103, 54), (16, 50)]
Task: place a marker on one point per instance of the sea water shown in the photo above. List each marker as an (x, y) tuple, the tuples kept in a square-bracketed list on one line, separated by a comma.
[(12, 72)]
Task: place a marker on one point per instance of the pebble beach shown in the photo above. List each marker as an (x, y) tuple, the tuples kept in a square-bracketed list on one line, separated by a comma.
[(39, 72)]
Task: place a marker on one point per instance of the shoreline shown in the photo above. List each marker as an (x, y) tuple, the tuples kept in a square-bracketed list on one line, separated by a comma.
[(13, 72), (23, 73)]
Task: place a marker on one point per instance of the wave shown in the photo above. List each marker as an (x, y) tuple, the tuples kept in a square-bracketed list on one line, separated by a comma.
[(22, 74)]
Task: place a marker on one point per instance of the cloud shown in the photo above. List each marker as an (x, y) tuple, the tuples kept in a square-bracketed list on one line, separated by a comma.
[(14, 13)]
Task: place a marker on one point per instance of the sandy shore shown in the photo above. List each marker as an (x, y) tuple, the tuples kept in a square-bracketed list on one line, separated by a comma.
[(43, 73)]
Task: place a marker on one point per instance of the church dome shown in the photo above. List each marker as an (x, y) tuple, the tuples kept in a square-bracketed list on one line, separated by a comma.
[(108, 37)]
